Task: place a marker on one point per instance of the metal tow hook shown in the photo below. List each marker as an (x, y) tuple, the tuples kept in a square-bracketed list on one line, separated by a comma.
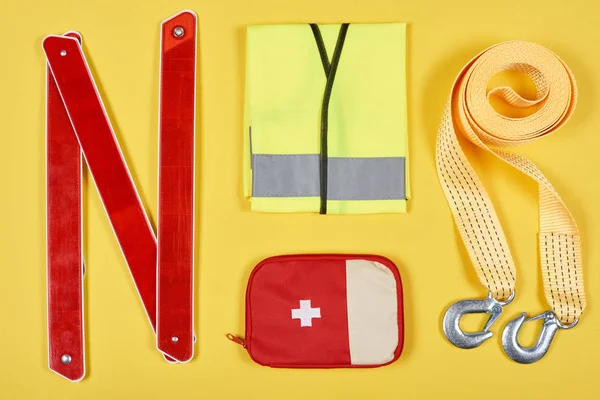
[(528, 355), (457, 310)]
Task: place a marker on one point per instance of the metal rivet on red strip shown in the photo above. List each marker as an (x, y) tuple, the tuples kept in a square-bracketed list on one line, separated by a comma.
[(63, 53), (178, 31), (66, 359), (174, 339)]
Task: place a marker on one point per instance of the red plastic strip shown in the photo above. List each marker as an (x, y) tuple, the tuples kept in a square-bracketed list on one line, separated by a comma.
[(175, 268), (103, 156), (64, 239)]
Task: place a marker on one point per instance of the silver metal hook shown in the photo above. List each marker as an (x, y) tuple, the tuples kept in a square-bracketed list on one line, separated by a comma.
[(528, 355), (457, 310)]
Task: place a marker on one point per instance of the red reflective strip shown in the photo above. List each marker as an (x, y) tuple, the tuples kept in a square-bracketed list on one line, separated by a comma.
[(64, 242), (105, 161), (175, 268)]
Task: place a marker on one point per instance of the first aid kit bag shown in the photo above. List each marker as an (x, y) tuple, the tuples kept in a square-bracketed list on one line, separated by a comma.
[(324, 311)]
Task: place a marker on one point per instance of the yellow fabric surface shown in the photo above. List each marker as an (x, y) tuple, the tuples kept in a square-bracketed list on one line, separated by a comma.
[(121, 40), (469, 110), (285, 82)]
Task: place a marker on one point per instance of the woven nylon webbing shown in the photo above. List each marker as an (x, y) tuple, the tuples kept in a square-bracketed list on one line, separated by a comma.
[(468, 112)]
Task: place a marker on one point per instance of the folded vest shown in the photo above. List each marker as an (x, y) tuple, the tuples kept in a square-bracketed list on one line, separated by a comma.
[(325, 118)]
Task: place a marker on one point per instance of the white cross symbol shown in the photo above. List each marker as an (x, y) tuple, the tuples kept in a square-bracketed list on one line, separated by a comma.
[(305, 313)]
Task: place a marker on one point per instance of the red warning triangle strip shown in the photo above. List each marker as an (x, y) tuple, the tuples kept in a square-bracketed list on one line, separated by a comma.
[(175, 272), (63, 239), (77, 123)]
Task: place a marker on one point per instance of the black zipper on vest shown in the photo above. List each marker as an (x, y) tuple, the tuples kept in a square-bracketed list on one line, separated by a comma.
[(330, 71)]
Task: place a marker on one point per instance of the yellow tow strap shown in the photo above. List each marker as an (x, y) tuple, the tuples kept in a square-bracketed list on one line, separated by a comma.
[(468, 112)]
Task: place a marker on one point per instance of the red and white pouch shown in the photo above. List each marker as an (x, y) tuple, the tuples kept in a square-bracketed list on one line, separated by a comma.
[(324, 311)]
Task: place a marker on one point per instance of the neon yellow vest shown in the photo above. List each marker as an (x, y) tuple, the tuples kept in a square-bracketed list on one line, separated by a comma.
[(337, 151)]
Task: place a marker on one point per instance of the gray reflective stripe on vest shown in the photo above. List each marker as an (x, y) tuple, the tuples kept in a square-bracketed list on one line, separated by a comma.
[(350, 178), (285, 175)]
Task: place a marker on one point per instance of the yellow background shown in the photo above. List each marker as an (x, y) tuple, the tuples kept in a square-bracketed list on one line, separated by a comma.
[(121, 39)]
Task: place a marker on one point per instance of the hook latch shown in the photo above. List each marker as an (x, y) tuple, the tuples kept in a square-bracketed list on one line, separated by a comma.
[(456, 311), (528, 355)]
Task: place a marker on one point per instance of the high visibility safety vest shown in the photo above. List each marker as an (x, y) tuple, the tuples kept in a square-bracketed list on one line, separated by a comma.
[(325, 118)]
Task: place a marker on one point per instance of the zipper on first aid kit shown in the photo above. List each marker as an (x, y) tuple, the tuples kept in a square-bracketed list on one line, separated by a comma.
[(236, 339)]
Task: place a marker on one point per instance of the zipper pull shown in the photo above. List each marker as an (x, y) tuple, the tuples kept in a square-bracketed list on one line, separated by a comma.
[(236, 339)]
